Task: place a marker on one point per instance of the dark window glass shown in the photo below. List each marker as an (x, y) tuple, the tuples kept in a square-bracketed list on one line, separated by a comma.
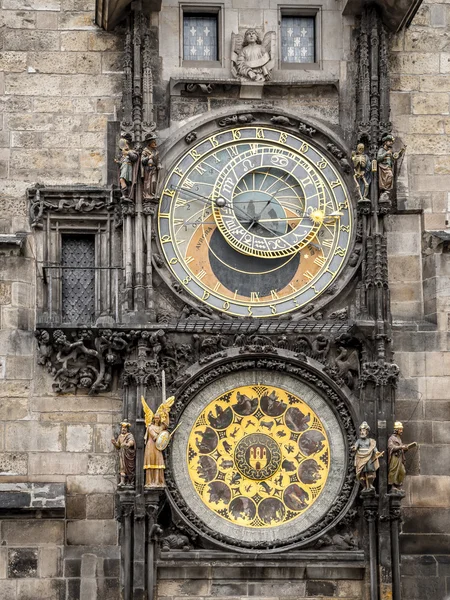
[(200, 37), (78, 278), (297, 39)]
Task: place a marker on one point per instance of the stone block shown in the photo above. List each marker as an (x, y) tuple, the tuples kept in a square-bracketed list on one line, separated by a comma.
[(430, 491), (100, 506), (415, 63), (76, 507), (14, 389), (112, 62), (5, 292), (105, 42), (27, 41), (13, 19), (8, 589), (79, 438), (421, 165), (74, 41), (13, 463), (102, 438), (84, 533), (404, 268), (272, 589), (434, 459), (437, 410), (350, 589), (68, 417), (17, 318), (33, 436), (37, 533), (434, 83), (13, 409), (91, 85), (419, 566), (53, 62), (90, 484), (72, 567), (47, 20), (426, 124), (33, 85), (418, 588), (50, 563), (426, 520), (73, 589), (401, 103), (61, 463), (321, 588), (22, 562), (424, 543), (13, 62), (102, 464), (428, 144), (89, 62), (50, 589)]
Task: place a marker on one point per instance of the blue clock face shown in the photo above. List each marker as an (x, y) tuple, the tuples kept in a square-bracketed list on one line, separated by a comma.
[(254, 221)]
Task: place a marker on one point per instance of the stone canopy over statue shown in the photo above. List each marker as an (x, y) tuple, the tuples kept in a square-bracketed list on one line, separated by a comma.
[(253, 58)]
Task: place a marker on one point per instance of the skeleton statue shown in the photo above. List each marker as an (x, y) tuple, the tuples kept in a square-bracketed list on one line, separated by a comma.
[(253, 58), (362, 171)]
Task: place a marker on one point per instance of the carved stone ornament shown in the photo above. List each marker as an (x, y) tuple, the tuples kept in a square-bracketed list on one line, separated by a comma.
[(81, 360), (253, 58), (293, 368)]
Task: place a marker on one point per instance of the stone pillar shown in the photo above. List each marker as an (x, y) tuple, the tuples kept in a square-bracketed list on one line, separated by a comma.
[(370, 508)]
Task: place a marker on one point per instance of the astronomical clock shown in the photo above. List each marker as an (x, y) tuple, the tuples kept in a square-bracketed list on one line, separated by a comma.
[(256, 225)]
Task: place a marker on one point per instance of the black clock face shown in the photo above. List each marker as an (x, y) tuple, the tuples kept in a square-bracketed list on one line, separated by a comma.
[(254, 221)]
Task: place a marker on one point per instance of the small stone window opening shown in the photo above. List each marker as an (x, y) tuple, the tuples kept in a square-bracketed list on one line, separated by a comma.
[(200, 37), (78, 278), (298, 39)]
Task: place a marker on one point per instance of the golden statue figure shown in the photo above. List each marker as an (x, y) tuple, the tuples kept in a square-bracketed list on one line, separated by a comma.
[(156, 440), (396, 453)]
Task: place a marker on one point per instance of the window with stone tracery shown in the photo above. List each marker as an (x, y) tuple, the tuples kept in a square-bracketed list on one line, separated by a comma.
[(298, 39), (200, 39)]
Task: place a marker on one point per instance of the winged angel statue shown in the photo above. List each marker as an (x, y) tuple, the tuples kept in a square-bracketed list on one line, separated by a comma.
[(156, 440), (252, 58)]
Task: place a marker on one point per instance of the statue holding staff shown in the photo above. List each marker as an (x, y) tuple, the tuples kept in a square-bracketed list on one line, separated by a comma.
[(396, 456), (366, 457)]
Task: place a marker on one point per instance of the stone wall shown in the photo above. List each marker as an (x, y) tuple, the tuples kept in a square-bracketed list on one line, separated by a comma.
[(419, 267), (60, 83)]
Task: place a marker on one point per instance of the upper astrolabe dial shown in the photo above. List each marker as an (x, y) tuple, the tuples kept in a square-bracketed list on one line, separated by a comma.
[(269, 204), (254, 221)]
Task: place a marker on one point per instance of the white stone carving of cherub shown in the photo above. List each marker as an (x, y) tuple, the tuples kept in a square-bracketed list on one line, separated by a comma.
[(252, 58)]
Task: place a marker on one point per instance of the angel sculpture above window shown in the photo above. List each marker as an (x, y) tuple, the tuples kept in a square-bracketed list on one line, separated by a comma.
[(156, 440), (252, 58)]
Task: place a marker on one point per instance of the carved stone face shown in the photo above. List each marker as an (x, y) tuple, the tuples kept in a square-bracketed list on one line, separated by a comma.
[(124, 430), (152, 144), (363, 433), (251, 36)]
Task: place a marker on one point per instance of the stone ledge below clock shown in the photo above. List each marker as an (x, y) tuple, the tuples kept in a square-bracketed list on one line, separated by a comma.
[(208, 564)]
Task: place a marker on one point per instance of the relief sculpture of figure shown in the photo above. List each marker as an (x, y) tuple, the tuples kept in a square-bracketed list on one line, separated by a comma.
[(386, 158), (156, 440), (366, 457), (127, 161), (362, 172), (125, 444), (150, 167), (252, 58), (396, 455)]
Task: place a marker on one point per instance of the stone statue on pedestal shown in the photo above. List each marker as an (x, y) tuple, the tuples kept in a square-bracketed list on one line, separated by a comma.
[(125, 444), (396, 455), (366, 458), (156, 440), (386, 160), (253, 58), (150, 167)]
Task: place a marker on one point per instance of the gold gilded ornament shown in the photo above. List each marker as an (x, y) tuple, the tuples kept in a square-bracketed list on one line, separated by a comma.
[(258, 456)]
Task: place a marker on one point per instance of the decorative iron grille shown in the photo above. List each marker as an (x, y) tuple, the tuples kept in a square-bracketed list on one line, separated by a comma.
[(78, 278)]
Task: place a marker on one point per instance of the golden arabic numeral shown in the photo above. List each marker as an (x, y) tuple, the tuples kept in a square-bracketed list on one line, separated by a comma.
[(335, 183), (345, 228), (236, 134), (260, 133), (214, 141), (187, 279), (225, 305), (273, 309), (304, 147), (322, 164), (308, 275), (173, 261), (283, 137), (166, 239), (342, 205), (249, 310), (313, 287), (339, 251), (206, 295)]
